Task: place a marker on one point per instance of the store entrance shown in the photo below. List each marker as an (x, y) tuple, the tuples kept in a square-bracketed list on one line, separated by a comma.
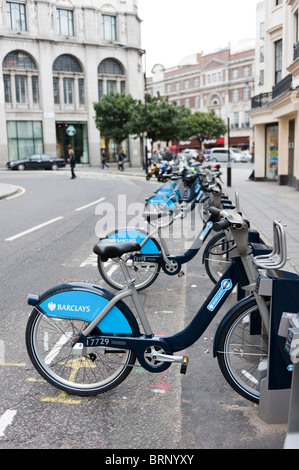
[(72, 134)]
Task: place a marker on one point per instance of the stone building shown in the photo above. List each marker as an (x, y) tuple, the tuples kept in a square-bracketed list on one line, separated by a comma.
[(59, 57), (275, 105)]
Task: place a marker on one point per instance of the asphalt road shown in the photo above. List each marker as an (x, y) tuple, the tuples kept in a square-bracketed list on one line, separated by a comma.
[(47, 236)]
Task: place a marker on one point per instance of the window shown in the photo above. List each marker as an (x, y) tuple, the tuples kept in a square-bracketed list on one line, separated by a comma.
[(235, 73), (262, 74), (246, 93), (196, 101), (24, 138), (35, 91), (66, 72), (196, 82), (109, 27), (278, 2), (110, 67), (100, 89), (110, 77), (246, 71), (177, 86), (236, 119), (56, 90), (7, 90), (21, 89), (68, 90), (262, 30), (187, 84), (81, 91), (262, 54), (16, 16), (20, 75), (235, 96), (187, 102), (278, 61), (111, 86), (65, 24)]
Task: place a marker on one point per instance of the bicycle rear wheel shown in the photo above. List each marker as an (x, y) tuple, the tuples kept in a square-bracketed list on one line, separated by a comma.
[(242, 351), (49, 344)]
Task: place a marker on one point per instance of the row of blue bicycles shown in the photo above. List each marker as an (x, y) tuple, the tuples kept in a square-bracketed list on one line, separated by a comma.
[(85, 340)]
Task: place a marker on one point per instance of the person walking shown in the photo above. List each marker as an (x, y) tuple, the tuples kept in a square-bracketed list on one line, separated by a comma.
[(72, 161), (121, 160), (103, 159)]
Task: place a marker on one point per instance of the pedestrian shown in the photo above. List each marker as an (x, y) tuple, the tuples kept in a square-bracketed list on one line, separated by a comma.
[(72, 161), (103, 159), (121, 159)]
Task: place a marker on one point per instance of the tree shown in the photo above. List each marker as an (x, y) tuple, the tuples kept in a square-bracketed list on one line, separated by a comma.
[(161, 119), (206, 126), (113, 116)]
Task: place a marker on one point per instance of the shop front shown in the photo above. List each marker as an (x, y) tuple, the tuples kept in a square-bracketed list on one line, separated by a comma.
[(72, 134), (112, 150), (271, 151)]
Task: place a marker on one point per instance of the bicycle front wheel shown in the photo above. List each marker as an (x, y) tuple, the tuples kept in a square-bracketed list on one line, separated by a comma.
[(143, 272), (242, 351), (216, 256), (49, 344)]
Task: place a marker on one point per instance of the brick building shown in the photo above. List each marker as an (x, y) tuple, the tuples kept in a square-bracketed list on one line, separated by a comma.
[(222, 80)]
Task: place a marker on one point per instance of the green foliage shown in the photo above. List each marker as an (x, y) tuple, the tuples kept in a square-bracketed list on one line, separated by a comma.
[(206, 126), (119, 115), (113, 115)]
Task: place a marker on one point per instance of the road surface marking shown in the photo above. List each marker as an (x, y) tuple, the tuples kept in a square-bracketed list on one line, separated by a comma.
[(6, 419), (90, 204), (26, 232)]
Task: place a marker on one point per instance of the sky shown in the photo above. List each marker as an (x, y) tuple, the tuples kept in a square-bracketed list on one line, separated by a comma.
[(174, 29)]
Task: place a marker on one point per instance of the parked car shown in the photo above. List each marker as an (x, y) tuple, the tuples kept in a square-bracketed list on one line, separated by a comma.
[(220, 154), (246, 156), (189, 153), (37, 161)]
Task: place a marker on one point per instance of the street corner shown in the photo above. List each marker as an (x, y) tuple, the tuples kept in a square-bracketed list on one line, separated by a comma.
[(8, 191)]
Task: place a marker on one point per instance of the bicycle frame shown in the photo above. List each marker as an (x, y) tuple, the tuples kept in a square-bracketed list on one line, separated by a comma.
[(164, 346)]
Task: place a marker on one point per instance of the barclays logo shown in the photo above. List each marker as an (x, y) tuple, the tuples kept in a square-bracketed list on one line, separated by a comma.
[(68, 308)]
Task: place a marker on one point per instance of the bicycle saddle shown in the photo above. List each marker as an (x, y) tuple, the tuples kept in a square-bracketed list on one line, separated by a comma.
[(108, 248)]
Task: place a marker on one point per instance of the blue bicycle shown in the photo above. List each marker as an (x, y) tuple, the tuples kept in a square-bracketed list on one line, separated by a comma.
[(84, 340)]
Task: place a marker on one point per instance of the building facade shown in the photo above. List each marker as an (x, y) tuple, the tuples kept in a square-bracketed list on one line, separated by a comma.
[(275, 105), (222, 81), (59, 57)]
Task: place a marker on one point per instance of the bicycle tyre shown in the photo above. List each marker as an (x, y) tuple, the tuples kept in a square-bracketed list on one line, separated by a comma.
[(240, 352), (216, 256), (49, 346)]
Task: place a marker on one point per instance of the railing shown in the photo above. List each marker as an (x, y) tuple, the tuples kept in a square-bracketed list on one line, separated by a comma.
[(261, 100), (282, 87), (296, 51)]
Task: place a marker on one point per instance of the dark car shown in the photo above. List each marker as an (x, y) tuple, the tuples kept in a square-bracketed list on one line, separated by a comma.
[(37, 161)]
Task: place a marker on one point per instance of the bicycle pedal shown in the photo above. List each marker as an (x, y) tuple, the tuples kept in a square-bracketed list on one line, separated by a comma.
[(184, 365), (181, 273)]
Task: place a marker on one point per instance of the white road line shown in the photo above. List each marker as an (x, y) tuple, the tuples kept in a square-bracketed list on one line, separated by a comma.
[(6, 419), (90, 204), (32, 229)]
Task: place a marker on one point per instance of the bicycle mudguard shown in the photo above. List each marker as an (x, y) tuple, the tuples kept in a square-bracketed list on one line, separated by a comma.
[(226, 317), (150, 247), (83, 301), (163, 200)]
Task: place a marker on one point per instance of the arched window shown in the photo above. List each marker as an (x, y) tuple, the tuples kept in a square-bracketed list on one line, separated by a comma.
[(68, 81), (111, 77), (20, 77)]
